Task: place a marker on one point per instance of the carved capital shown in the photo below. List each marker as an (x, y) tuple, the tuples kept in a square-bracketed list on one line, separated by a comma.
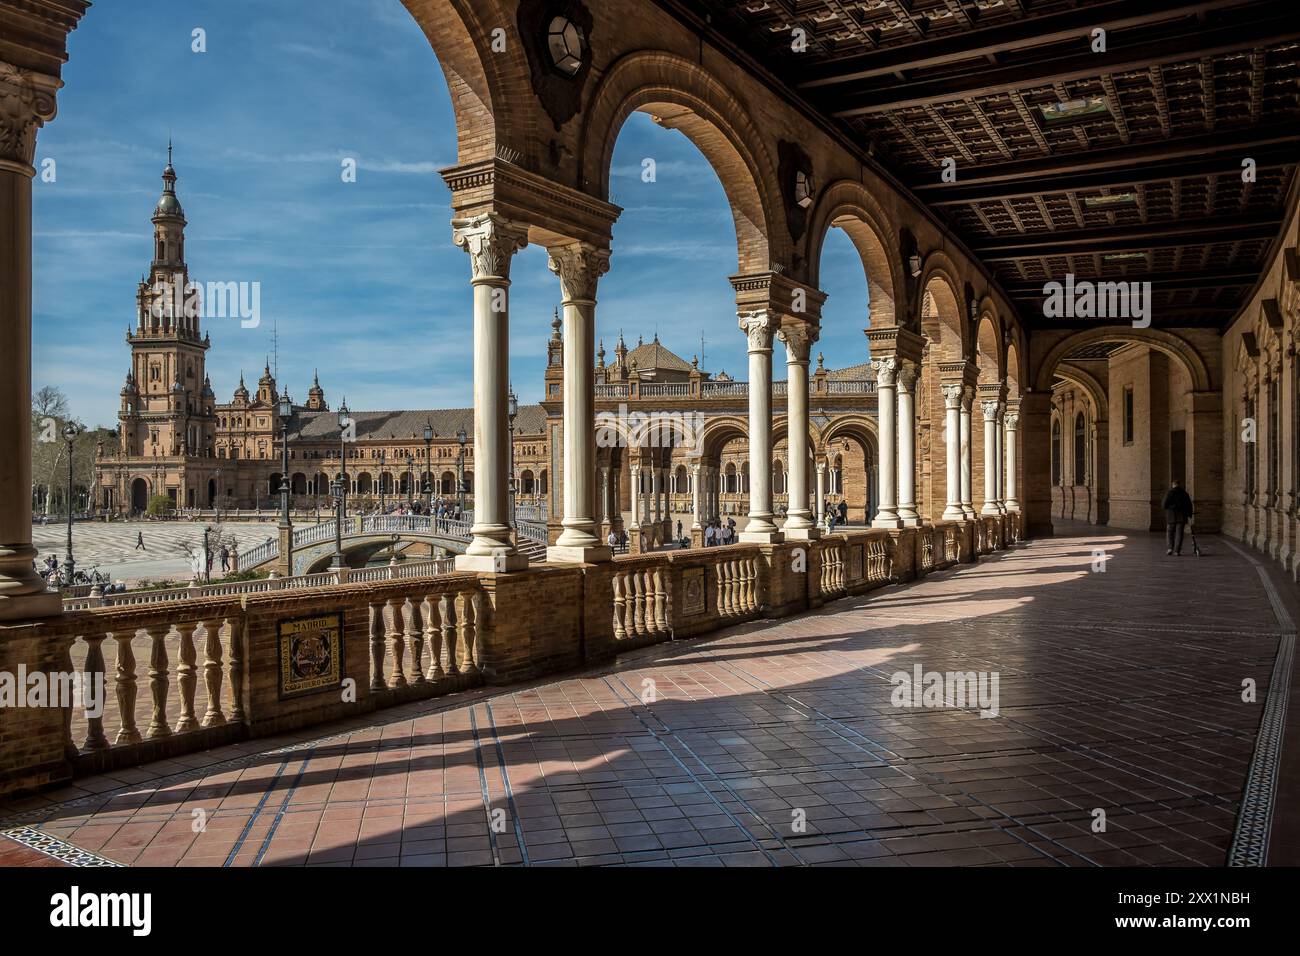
[(798, 340), (26, 104), (1012, 421), (991, 410), (907, 375), (579, 266), (758, 328), (886, 372), (952, 395), (491, 242)]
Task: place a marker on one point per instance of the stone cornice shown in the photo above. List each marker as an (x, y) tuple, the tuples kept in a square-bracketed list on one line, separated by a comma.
[(783, 296), (556, 214)]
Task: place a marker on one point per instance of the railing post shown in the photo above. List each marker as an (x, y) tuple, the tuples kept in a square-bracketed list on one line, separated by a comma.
[(212, 673), (93, 673), (187, 677), (158, 682)]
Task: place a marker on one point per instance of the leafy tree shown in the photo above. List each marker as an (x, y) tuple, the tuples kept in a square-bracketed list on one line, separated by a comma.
[(160, 505)]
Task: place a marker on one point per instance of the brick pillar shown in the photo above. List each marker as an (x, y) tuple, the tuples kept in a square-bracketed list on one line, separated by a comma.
[(1036, 444)]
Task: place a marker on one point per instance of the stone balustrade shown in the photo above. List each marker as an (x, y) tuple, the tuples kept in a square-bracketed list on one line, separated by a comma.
[(186, 674)]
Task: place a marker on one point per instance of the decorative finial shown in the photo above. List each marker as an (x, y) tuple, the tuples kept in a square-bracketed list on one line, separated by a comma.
[(820, 359), (695, 361)]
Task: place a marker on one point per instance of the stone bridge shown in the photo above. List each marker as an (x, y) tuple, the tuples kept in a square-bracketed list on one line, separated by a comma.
[(367, 535)]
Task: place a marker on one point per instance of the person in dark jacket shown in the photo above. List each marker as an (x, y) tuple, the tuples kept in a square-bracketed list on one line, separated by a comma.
[(1178, 511)]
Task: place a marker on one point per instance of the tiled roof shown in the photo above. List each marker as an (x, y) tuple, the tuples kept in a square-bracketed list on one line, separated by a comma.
[(862, 372), (652, 355), (403, 426)]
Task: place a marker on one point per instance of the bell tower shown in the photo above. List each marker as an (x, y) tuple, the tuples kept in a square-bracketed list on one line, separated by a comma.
[(165, 410)]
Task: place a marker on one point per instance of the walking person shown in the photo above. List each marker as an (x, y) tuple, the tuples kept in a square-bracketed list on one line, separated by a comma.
[(843, 509), (225, 559), (139, 541), (1178, 511)]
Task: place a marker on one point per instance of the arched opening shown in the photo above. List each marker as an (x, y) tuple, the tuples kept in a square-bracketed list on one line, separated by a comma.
[(1136, 410), (140, 495), (936, 441)]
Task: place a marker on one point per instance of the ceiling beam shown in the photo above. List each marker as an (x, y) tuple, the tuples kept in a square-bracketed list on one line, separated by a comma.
[(989, 41), (1158, 161), (1190, 44), (1160, 282), (1163, 235)]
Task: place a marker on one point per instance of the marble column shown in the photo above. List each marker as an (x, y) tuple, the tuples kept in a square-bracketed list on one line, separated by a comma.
[(698, 520), (579, 266), (953, 451), (990, 410), (491, 242), (821, 492), (967, 452), (758, 327), (634, 485), (798, 340), (999, 475), (907, 512), (887, 417), (602, 507), (1012, 422), (26, 102)]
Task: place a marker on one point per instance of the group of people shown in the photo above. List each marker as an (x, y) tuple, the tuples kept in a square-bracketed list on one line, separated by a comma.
[(716, 533)]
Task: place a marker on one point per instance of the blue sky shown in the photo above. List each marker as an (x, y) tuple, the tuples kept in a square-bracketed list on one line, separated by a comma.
[(361, 279)]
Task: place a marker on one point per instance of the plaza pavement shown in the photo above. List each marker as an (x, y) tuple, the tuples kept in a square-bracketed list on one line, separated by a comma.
[(777, 742)]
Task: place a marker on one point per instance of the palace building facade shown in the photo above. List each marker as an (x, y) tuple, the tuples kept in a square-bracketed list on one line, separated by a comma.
[(177, 441)]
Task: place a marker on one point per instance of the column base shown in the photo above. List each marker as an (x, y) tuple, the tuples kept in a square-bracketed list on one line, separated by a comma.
[(19, 607), (1013, 505), (888, 520), (578, 554), (967, 510), (761, 537), (502, 562), (953, 513), (802, 534), (909, 519), (990, 510)]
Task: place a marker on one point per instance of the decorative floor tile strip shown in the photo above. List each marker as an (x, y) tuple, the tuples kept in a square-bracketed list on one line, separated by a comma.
[(61, 850)]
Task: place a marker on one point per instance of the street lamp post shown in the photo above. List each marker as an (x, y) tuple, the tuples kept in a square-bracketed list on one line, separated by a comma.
[(428, 465), (462, 438), (512, 409), (207, 555), (216, 500), (345, 419), (70, 433), (337, 489), (286, 519)]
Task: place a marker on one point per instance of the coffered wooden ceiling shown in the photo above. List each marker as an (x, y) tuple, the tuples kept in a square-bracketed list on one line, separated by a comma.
[(1160, 122)]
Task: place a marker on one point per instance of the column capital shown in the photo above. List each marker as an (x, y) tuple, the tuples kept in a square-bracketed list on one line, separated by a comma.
[(798, 339), (579, 266), (491, 242), (991, 410), (1012, 421), (886, 371), (758, 327), (952, 394), (907, 376), (26, 104)]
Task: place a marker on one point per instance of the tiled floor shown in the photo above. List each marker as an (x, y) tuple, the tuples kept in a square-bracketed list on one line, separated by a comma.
[(1121, 738)]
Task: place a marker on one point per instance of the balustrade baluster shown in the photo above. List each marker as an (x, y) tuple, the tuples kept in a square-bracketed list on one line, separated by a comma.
[(158, 682), (377, 681), (468, 611), (415, 640), (433, 636), (188, 677), (93, 692), (125, 687), (620, 606), (638, 603), (212, 673), (449, 631), (661, 602), (236, 657), (396, 640)]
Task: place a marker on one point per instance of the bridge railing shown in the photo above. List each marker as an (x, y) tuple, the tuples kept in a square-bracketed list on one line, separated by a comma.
[(532, 530)]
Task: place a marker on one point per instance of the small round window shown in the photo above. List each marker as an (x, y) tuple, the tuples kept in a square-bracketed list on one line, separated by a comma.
[(567, 44)]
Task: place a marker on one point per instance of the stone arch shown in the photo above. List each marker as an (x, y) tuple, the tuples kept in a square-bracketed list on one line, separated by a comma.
[(941, 311), (718, 433), (849, 206), (682, 95), (1173, 345), (486, 87), (988, 352), (861, 430)]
